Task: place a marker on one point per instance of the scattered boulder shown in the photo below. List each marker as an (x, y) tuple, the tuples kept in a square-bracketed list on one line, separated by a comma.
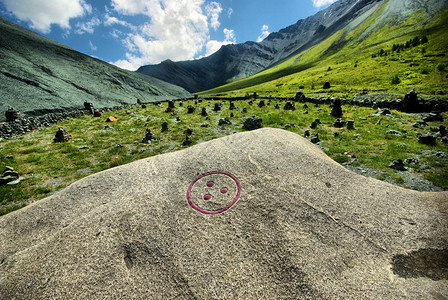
[(232, 105), (305, 106), (9, 177), (277, 106), (252, 123), (144, 106), (393, 132), (62, 136), (224, 122), (204, 112), (350, 124), (244, 110), (165, 126), (171, 104), (336, 110), (398, 165), (433, 117), (339, 123), (148, 137), (327, 85), (191, 109), (412, 161), (181, 103), (289, 106), (385, 111), (440, 154), (251, 102), (111, 119), (97, 113), (427, 139), (315, 139), (419, 124), (261, 104), (11, 114), (231, 115)]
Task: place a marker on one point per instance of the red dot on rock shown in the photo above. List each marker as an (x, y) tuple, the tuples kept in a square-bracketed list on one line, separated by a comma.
[(207, 197), (224, 190), (210, 184)]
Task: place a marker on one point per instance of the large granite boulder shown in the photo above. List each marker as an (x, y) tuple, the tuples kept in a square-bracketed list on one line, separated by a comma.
[(259, 214)]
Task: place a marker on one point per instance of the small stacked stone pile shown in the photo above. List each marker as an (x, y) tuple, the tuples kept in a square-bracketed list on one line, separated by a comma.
[(9, 177), (62, 136)]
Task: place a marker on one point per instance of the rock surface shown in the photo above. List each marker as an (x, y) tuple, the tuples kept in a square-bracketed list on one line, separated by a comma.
[(301, 227)]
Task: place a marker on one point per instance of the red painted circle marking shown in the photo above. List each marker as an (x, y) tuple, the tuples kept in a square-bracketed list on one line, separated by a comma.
[(214, 212)]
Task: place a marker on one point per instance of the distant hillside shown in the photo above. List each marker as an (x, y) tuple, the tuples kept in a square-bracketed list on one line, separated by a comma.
[(39, 75), (396, 46), (234, 62)]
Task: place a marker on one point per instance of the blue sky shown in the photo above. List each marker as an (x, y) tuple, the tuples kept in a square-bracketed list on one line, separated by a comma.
[(132, 33)]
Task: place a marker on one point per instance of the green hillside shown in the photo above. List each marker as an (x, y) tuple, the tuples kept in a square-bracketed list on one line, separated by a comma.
[(392, 55)]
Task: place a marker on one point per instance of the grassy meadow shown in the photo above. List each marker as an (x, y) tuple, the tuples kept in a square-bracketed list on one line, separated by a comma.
[(361, 60), (46, 167)]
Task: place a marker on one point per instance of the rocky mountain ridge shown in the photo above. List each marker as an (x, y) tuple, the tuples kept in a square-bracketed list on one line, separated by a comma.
[(237, 61), (38, 75)]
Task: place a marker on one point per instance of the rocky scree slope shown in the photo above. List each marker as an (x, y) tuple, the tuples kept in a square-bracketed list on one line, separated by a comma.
[(238, 61), (38, 75)]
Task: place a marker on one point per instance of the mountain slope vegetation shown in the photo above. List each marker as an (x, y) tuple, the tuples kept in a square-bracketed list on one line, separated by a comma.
[(38, 75), (383, 53)]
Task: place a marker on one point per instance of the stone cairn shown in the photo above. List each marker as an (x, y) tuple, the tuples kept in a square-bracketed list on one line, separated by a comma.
[(9, 177), (11, 114), (336, 110), (148, 137), (164, 126), (62, 136), (171, 107)]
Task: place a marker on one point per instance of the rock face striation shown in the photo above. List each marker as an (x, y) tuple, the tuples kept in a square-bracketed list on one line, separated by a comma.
[(38, 76), (243, 60), (259, 214)]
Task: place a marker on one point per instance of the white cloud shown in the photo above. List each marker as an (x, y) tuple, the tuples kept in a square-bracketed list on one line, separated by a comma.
[(92, 46), (213, 11), (264, 33), (229, 12), (111, 20), (213, 45), (176, 29), (320, 3), (88, 27), (43, 13)]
